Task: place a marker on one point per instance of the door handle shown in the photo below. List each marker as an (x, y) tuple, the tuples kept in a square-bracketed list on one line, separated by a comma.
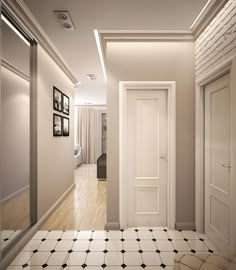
[(225, 166), (163, 157)]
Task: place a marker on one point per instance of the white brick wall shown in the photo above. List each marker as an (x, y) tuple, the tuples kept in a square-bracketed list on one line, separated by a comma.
[(218, 41)]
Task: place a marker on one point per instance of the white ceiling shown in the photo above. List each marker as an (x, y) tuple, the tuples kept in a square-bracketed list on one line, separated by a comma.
[(79, 47)]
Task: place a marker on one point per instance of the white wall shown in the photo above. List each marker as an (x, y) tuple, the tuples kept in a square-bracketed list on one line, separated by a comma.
[(55, 154), (159, 61), (14, 133)]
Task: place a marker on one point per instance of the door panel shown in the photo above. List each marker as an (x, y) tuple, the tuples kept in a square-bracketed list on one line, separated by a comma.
[(146, 171), (217, 162)]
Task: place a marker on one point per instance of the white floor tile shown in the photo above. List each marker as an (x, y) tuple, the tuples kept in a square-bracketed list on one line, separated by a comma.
[(6, 234), (130, 235), (151, 258), (58, 258), (69, 235), (160, 235), (92, 268), (84, 235), (32, 245), (190, 235), (114, 235), (131, 245), (202, 236), (14, 267), (156, 268), (147, 245), (99, 235), (39, 258), (132, 258), (22, 258), (76, 258), (175, 235), (197, 245), (145, 235), (167, 258), (53, 235), (210, 245), (114, 245), (54, 267), (40, 235), (181, 245), (164, 245), (95, 258), (158, 228), (80, 268), (47, 245), (97, 245), (143, 228), (134, 268), (64, 245), (36, 267), (114, 258), (81, 245)]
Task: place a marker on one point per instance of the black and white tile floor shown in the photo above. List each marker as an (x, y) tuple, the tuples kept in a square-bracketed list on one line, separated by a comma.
[(136, 248), (7, 237)]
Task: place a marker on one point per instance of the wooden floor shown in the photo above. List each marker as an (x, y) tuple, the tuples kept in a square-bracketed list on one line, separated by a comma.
[(85, 207)]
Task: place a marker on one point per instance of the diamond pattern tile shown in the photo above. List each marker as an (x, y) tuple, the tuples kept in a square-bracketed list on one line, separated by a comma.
[(130, 249)]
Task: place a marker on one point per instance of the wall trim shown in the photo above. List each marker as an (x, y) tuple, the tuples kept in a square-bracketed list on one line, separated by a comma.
[(6, 64), (112, 226), (170, 86), (21, 11), (206, 16), (14, 194), (30, 233), (217, 72), (185, 225)]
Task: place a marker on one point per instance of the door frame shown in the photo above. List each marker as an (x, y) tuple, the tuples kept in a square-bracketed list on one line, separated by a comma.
[(228, 66), (170, 87)]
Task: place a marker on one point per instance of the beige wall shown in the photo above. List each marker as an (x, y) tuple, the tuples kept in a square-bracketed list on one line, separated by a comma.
[(14, 133), (55, 154), (159, 61)]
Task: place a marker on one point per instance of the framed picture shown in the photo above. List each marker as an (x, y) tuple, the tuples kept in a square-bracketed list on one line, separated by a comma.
[(66, 126), (66, 104), (57, 125), (57, 99)]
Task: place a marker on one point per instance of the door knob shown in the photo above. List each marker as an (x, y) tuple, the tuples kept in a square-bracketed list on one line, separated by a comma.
[(225, 166), (163, 157)]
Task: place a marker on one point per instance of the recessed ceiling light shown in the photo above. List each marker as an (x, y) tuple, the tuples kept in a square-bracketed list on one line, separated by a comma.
[(91, 77), (64, 19)]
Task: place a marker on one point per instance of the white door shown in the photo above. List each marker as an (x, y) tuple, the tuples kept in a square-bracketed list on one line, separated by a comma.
[(146, 157), (217, 163)]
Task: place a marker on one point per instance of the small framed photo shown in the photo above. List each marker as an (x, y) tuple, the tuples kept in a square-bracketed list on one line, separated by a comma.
[(66, 104), (66, 126), (57, 99), (57, 125)]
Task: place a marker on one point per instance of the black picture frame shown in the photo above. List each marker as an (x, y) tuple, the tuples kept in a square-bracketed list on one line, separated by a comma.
[(66, 104), (57, 125), (57, 99), (66, 126)]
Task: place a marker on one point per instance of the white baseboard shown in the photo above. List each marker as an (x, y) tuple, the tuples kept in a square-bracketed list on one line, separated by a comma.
[(29, 234), (185, 225), (112, 226), (14, 194)]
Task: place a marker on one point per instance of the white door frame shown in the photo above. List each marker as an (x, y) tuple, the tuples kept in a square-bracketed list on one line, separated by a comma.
[(170, 87), (227, 66)]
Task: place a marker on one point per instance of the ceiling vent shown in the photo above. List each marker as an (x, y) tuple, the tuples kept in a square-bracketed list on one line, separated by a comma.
[(91, 77), (64, 19)]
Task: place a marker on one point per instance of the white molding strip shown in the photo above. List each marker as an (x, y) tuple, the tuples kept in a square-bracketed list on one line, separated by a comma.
[(25, 239), (140, 35), (19, 8), (14, 194), (206, 16), (185, 226), (6, 64), (112, 226)]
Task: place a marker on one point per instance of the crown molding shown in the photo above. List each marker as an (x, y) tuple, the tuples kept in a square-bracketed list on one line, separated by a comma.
[(21, 11), (6, 64), (141, 35), (208, 13)]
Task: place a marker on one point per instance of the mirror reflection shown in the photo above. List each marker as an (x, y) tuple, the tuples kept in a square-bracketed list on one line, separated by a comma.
[(15, 134)]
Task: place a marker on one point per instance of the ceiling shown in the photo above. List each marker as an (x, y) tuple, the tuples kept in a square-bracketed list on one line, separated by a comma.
[(79, 48)]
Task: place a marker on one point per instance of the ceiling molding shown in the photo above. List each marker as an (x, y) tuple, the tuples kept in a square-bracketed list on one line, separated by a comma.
[(161, 35), (208, 13), (9, 66), (19, 8)]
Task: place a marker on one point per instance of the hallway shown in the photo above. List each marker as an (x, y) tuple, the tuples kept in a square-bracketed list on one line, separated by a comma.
[(135, 248), (84, 208)]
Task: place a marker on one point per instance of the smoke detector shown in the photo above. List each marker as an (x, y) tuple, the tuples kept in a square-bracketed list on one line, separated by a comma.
[(64, 19), (91, 77)]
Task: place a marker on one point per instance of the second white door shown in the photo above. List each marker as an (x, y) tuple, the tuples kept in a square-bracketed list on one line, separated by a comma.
[(146, 158)]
